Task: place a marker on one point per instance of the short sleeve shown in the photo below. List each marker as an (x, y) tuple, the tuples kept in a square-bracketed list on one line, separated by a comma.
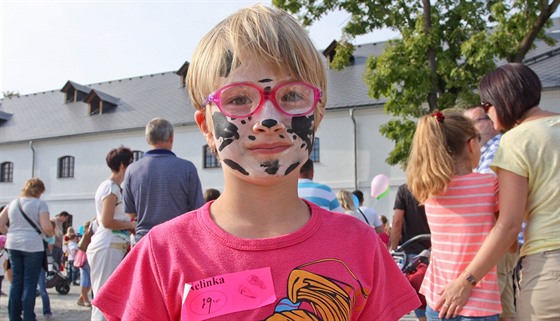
[(511, 156), (400, 202), (128, 198), (122, 298), (496, 195), (392, 295)]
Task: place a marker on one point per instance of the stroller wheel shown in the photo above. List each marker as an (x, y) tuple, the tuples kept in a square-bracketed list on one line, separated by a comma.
[(63, 288)]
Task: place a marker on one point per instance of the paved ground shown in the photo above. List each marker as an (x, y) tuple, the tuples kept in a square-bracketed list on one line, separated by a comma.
[(64, 307)]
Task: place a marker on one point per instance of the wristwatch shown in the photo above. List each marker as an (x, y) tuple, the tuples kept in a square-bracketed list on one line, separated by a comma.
[(470, 278)]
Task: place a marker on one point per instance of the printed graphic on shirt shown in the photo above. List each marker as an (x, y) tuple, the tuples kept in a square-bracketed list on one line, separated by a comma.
[(311, 295), (316, 297)]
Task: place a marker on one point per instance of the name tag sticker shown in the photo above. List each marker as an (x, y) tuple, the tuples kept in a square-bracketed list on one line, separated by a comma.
[(227, 293)]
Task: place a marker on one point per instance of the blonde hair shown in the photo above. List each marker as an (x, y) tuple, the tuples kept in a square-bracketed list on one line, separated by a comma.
[(258, 33), (33, 187), (346, 200), (439, 143)]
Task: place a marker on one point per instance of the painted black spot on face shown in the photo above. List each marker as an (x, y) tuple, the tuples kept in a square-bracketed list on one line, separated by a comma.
[(303, 127), (233, 165), (291, 168), (225, 67), (251, 137), (271, 167), (224, 129)]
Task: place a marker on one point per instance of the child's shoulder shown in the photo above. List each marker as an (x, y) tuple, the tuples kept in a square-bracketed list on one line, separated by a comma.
[(179, 224)]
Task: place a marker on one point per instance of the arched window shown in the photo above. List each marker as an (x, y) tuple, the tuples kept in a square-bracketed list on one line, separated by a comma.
[(66, 167), (7, 172), (315, 152), (210, 160), (137, 154)]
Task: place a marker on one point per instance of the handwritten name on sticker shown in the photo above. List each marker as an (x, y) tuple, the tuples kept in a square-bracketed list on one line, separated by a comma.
[(227, 293)]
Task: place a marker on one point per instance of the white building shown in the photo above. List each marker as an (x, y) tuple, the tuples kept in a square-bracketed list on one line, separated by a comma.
[(63, 135)]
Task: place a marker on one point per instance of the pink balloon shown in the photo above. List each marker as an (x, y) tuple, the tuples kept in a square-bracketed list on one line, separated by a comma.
[(379, 185)]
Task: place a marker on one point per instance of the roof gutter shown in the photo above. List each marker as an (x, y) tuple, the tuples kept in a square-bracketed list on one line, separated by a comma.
[(32, 158), (355, 139)]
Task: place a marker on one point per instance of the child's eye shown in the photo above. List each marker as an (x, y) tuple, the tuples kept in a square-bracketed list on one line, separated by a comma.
[(239, 100), (291, 96)]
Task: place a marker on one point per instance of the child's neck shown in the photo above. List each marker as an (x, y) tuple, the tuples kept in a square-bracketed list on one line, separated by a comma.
[(260, 211), (463, 168)]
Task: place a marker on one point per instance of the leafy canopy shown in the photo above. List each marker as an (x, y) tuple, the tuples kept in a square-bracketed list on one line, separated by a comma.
[(445, 48)]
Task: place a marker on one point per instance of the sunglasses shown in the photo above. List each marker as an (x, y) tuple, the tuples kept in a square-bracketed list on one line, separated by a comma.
[(486, 107)]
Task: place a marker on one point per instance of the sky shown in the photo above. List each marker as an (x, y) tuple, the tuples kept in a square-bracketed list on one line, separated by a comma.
[(46, 43)]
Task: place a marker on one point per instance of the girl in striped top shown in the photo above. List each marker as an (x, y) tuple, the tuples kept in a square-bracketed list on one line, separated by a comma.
[(461, 207)]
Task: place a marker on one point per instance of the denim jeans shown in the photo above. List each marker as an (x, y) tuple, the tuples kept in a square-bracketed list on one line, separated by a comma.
[(433, 315), (25, 271), (43, 292), (85, 280), (56, 254), (73, 272)]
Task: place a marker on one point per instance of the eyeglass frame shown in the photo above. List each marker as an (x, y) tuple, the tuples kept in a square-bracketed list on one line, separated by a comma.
[(215, 98)]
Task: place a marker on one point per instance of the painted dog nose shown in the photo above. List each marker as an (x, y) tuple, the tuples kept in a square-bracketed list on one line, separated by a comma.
[(269, 123)]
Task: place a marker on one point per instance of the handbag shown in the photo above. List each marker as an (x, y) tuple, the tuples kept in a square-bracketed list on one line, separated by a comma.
[(38, 230), (83, 243), (80, 259)]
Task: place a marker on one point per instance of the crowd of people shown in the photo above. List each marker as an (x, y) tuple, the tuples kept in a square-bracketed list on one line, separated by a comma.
[(274, 244)]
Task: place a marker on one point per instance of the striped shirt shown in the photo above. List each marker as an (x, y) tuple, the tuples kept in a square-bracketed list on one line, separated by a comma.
[(487, 153), (460, 219), (319, 194)]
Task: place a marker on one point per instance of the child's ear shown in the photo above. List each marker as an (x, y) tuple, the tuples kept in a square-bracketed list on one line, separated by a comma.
[(200, 118)]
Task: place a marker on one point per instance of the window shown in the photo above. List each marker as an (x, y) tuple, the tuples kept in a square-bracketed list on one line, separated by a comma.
[(315, 152), (7, 172), (210, 160), (137, 154), (66, 167), (74, 91)]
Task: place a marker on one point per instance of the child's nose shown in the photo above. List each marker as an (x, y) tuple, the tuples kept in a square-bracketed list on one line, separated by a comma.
[(269, 123)]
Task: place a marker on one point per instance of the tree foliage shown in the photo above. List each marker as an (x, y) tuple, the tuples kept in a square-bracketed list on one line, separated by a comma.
[(444, 49), (10, 94)]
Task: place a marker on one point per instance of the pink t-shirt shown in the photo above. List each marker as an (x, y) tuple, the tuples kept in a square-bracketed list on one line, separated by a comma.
[(460, 219), (334, 268)]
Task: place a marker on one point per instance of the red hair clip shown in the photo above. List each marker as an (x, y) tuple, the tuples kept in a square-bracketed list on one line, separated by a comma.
[(439, 116)]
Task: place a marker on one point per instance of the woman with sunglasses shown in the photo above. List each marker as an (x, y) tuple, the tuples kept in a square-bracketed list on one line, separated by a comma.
[(258, 252), (527, 164)]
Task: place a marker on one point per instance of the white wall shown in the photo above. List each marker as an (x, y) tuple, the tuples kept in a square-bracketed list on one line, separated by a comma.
[(336, 167)]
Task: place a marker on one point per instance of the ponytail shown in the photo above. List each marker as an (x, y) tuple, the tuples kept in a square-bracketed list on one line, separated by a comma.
[(438, 143)]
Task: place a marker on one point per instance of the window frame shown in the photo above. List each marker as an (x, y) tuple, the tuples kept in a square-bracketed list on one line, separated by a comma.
[(66, 166), (7, 172), (315, 154), (209, 160), (137, 155)]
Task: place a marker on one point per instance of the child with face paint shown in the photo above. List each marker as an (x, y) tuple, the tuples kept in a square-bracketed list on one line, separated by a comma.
[(258, 252)]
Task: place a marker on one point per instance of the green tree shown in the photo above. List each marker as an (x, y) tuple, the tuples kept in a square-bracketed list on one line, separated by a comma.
[(10, 94), (445, 48)]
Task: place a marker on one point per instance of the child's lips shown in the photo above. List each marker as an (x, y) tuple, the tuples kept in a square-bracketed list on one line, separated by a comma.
[(269, 148)]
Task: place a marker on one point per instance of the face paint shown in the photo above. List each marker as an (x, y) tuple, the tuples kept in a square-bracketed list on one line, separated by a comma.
[(253, 153), (268, 143), (303, 128), (224, 131)]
